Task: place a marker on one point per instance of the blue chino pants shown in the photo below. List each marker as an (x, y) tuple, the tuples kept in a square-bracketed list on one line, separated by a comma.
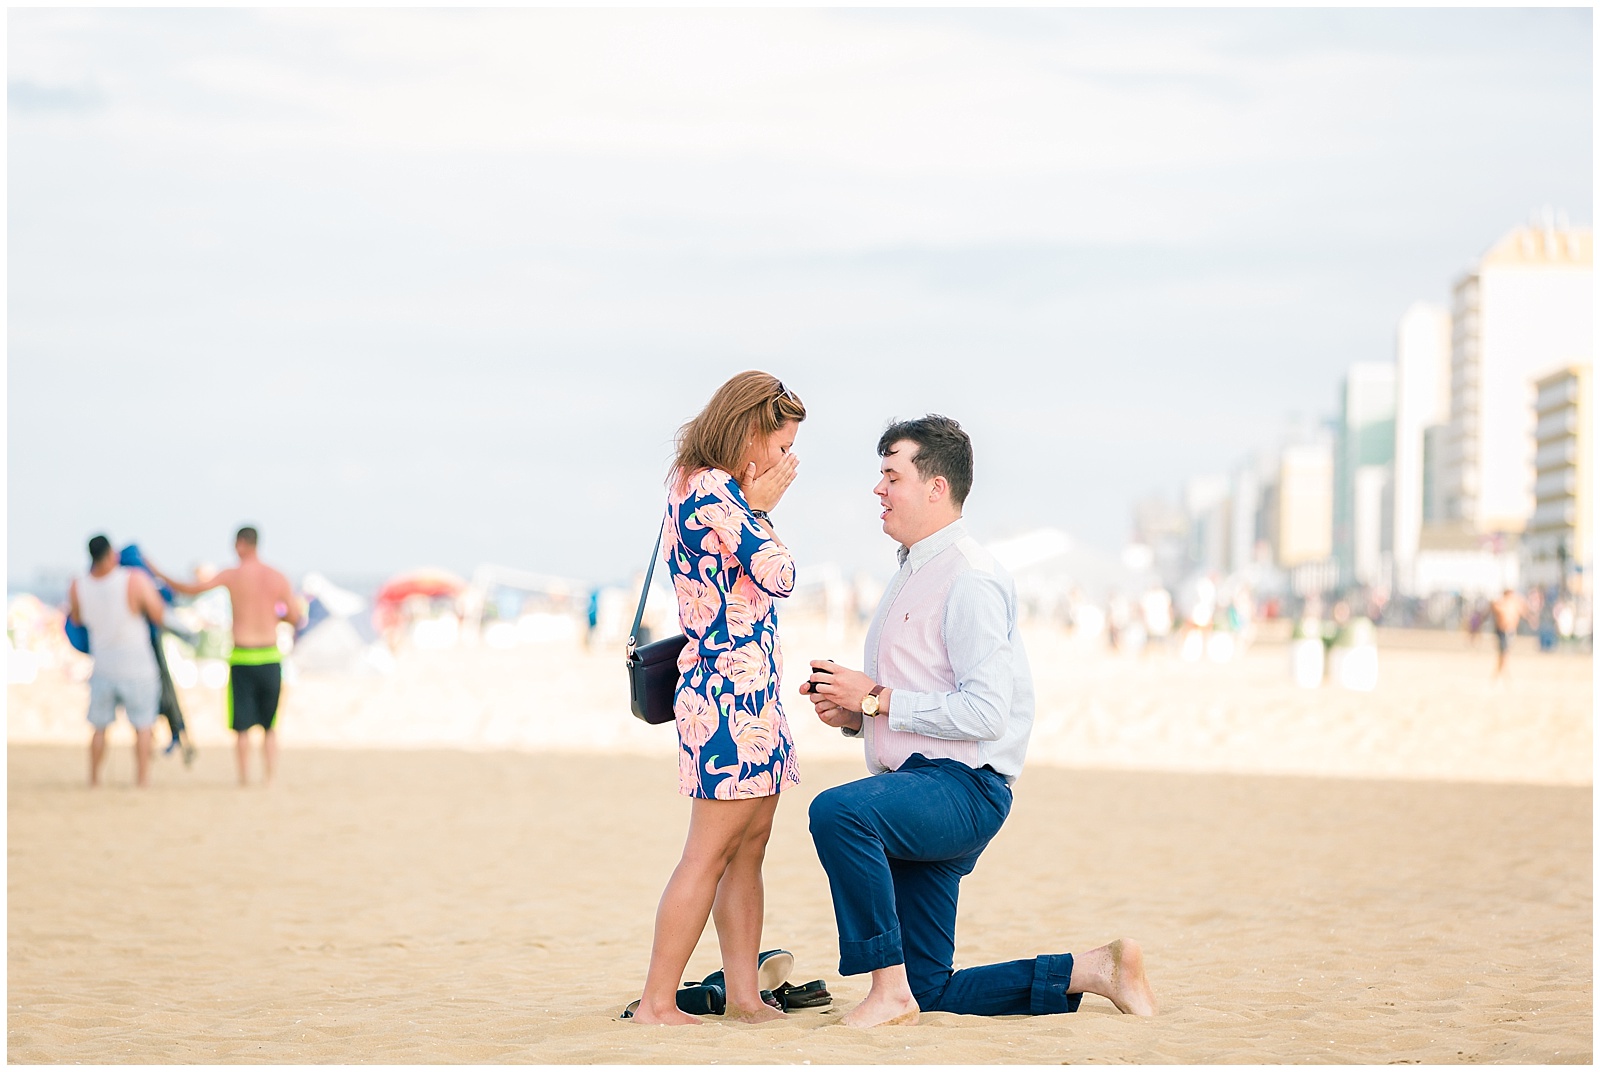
[(895, 847)]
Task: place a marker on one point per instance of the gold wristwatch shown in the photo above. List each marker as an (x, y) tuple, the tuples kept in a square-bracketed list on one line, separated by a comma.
[(869, 702)]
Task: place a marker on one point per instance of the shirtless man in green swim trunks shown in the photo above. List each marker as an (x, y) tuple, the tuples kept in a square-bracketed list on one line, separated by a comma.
[(261, 598)]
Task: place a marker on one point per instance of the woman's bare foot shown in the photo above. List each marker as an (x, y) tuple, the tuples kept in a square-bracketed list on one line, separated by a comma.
[(761, 1014), (671, 1016), (1130, 991), (877, 1010)]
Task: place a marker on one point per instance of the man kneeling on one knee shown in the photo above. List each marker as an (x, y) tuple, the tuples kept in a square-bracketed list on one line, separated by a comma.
[(944, 709)]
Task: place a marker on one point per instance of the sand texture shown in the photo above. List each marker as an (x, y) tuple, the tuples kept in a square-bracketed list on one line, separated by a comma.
[(489, 902)]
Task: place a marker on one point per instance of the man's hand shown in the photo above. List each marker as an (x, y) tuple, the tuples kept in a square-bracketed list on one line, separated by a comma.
[(185, 587), (294, 611), (764, 492), (839, 685), (833, 715)]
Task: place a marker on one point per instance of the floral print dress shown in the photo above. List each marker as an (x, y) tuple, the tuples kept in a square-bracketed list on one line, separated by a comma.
[(733, 740)]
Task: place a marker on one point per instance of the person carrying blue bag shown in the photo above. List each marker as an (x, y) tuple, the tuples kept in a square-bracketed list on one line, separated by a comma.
[(115, 606), (130, 557)]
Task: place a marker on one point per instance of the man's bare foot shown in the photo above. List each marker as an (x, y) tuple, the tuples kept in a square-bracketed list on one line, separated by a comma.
[(881, 1011), (761, 1014), (1130, 990), (671, 1016)]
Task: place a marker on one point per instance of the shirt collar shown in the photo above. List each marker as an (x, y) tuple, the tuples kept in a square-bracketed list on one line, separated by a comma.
[(926, 548)]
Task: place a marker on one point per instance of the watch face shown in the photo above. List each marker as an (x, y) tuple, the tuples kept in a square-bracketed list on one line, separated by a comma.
[(869, 705)]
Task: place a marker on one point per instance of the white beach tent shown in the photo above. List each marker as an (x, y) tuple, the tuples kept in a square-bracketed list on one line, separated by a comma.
[(1047, 563), (336, 639)]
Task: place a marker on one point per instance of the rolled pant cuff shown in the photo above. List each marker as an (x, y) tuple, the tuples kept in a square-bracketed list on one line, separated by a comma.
[(882, 951), (1051, 976)]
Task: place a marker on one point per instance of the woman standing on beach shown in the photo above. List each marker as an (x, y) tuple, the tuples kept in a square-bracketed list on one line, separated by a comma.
[(735, 754)]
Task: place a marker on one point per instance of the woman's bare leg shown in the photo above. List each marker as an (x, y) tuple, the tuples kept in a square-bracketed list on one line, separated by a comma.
[(716, 830), (740, 911)]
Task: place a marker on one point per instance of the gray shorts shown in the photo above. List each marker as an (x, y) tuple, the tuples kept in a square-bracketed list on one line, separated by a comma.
[(139, 697)]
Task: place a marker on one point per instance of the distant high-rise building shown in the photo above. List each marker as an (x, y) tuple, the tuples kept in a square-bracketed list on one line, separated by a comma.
[(1422, 400), (1267, 516), (1252, 503), (1155, 518), (1164, 528), (1560, 534), (1208, 504), (1304, 504), (1433, 441), (1243, 505), (1526, 307), (1363, 456), (1372, 524)]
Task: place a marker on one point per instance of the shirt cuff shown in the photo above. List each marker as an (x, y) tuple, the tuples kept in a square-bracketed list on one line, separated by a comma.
[(906, 706)]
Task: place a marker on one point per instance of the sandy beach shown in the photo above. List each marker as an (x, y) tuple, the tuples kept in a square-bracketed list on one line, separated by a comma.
[(460, 863), (1238, 359)]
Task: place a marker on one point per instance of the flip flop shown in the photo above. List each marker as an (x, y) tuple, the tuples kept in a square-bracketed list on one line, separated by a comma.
[(627, 1014), (772, 970)]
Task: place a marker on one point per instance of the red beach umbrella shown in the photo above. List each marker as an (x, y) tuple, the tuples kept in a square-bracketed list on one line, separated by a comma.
[(433, 583), (429, 583)]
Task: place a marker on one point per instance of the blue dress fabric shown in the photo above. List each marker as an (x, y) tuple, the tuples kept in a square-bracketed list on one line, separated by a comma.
[(733, 739)]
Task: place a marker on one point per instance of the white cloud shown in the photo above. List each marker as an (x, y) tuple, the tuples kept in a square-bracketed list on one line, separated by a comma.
[(813, 88), (773, 129)]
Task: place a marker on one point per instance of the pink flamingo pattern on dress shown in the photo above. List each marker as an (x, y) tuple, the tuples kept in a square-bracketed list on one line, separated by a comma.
[(733, 740)]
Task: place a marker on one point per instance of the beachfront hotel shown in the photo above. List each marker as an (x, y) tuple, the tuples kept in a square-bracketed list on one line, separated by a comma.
[(1426, 484), (1363, 459), (1558, 546), (1422, 400), (1527, 307), (1304, 522)]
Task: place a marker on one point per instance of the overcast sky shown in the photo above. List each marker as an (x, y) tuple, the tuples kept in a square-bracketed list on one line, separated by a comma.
[(412, 287)]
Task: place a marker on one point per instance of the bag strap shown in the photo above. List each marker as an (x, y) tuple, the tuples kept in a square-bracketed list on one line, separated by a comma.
[(644, 593)]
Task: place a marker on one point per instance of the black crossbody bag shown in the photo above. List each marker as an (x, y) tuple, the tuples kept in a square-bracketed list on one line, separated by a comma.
[(652, 669)]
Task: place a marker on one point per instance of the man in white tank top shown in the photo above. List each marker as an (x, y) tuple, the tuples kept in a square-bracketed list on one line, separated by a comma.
[(945, 709), (112, 602)]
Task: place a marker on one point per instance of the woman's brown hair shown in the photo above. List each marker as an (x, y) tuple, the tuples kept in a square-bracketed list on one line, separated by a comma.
[(751, 403)]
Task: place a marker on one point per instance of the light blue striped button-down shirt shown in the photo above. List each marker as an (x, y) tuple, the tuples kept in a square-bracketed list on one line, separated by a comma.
[(945, 640)]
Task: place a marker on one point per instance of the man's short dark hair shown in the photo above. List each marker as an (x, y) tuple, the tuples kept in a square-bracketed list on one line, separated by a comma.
[(943, 449), (99, 547), (247, 536)]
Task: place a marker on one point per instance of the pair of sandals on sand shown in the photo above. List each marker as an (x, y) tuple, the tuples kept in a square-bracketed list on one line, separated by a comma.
[(709, 996)]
